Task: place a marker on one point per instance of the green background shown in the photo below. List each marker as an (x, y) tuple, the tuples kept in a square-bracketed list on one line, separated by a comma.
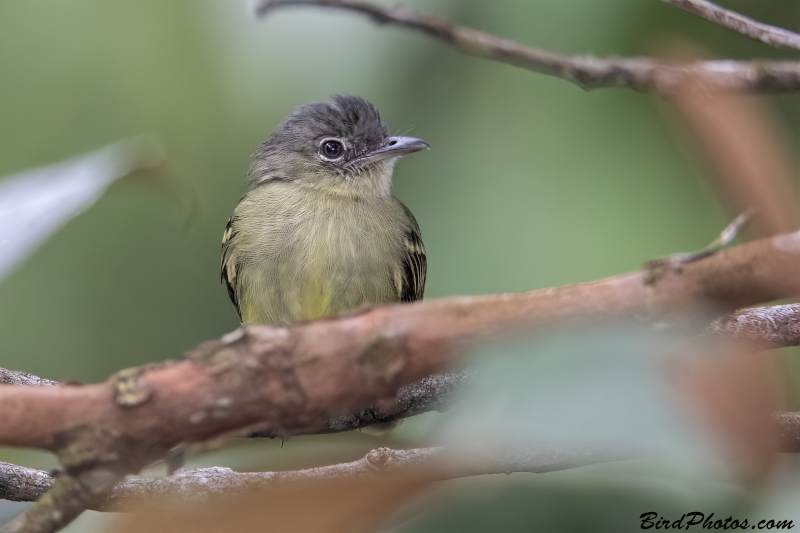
[(531, 182)]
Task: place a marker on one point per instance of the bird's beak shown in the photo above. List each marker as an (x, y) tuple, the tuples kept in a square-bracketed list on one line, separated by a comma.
[(394, 147)]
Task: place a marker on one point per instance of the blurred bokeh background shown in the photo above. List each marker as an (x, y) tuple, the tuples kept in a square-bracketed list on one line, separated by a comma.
[(531, 182)]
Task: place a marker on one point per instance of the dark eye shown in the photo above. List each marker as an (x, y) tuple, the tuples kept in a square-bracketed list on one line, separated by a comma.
[(331, 149)]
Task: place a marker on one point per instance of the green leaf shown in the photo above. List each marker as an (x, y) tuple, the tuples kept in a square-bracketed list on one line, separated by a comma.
[(36, 203)]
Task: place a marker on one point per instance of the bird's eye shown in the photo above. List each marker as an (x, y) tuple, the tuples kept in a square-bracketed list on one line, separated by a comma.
[(331, 149)]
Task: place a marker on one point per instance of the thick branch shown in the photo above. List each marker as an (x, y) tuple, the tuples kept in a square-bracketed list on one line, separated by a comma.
[(765, 33), (290, 380), (589, 72), (432, 393), (766, 327)]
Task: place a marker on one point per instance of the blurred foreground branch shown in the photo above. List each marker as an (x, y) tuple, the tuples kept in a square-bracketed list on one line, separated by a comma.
[(747, 157), (765, 33), (589, 72)]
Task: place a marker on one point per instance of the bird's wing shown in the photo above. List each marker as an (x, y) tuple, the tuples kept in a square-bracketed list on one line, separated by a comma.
[(414, 264), (229, 264)]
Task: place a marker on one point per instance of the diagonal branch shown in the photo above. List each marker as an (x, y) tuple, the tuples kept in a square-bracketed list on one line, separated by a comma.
[(766, 327), (292, 380), (288, 379), (589, 72), (746, 26)]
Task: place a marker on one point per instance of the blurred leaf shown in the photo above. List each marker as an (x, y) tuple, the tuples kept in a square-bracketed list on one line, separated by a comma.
[(622, 391), (36, 203), (612, 391), (602, 387)]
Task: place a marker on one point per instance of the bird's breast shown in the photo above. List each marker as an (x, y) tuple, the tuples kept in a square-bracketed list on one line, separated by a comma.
[(316, 258)]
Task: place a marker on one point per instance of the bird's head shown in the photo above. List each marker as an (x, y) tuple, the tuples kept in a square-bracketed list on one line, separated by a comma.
[(342, 146)]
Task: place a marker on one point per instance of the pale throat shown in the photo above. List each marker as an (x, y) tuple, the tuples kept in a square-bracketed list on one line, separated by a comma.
[(373, 181)]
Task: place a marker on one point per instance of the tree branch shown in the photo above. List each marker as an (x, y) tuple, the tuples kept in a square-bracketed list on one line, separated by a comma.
[(789, 426), (14, 377), (292, 380), (746, 26), (197, 485), (589, 72), (22, 484), (66, 498), (432, 393), (766, 327)]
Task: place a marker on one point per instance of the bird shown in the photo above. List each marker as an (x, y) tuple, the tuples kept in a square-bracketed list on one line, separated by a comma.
[(318, 231)]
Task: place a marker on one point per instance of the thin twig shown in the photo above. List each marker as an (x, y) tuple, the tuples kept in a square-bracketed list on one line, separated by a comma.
[(198, 485), (589, 72), (22, 484), (746, 26), (725, 237)]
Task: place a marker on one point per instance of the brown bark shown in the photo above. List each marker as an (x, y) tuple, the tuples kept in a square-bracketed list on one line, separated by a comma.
[(293, 380), (289, 379)]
